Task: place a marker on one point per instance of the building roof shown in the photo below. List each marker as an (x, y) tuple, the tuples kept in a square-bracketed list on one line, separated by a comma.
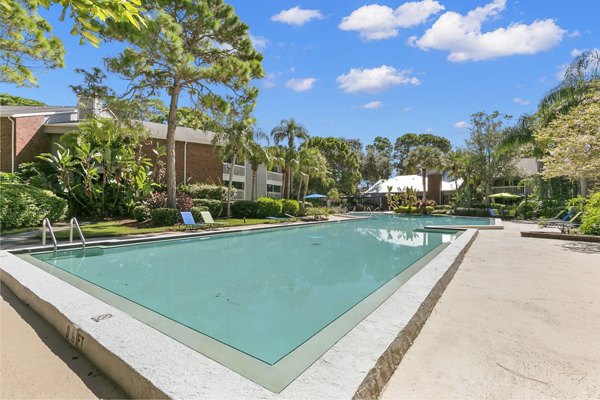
[(155, 131), (401, 182), (26, 111)]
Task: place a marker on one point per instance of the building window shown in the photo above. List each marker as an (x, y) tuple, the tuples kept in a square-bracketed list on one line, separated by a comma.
[(273, 188), (276, 168), (238, 185)]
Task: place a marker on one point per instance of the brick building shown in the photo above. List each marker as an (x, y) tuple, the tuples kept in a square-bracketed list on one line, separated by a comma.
[(27, 131)]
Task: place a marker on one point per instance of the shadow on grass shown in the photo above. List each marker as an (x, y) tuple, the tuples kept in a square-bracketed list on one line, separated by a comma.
[(89, 374)]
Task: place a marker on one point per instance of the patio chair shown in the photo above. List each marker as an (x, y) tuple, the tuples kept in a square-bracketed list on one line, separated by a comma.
[(555, 220), (188, 220), (511, 214), (566, 226), (493, 213), (208, 220)]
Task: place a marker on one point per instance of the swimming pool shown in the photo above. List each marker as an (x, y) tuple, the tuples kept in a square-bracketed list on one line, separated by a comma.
[(265, 303)]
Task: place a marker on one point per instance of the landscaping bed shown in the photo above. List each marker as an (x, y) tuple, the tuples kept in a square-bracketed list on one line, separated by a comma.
[(561, 236)]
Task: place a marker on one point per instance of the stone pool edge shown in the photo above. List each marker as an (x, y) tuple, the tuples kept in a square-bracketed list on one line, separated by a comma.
[(142, 360)]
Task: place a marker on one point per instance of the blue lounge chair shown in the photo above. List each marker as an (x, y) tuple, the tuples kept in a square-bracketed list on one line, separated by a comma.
[(493, 213), (566, 226), (188, 220), (554, 221)]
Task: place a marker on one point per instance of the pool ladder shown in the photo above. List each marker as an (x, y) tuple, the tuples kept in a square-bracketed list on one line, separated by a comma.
[(46, 225)]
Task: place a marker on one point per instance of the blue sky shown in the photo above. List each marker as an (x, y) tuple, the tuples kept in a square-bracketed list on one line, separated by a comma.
[(361, 69)]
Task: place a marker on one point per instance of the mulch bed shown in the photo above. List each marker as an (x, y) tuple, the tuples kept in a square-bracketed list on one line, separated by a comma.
[(561, 236)]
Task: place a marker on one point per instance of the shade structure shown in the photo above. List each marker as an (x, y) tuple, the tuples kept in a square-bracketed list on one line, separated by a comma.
[(315, 196), (504, 196)]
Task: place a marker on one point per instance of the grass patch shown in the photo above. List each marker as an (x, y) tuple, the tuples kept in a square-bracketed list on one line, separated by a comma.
[(131, 227)]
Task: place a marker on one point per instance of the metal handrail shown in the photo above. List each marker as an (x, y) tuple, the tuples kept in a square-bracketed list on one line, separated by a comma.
[(46, 224), (76, 223)]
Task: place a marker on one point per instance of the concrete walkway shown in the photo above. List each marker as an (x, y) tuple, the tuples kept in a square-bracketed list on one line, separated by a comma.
[(520, 320)]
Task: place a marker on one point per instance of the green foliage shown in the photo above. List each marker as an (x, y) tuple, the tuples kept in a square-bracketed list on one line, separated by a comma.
[(472, 211), (376, 164), (286, 136), (291, 207), (10, 100), (214, 206), (409, 141), (244, 209), (196, 213), (195, 48), (101, 170), (577, 204), (343, 165), (204, 191), (528, 209), (316, 211), (406, 210), (9, 177), (26, 206), (590, 223), (141, 213), (267, 207), (164, 216)]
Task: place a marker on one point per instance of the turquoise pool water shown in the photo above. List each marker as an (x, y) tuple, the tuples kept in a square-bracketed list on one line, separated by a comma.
[(262, 292)]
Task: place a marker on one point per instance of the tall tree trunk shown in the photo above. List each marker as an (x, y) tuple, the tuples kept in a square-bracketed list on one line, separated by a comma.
[(289, 193), (253, 197), (170, 165), (299, 189), (284, 182), (230, 184), (583, 186), (424, 172)]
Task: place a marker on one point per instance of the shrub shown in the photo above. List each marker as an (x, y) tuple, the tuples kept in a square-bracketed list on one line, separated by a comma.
[(291, 207), (164, 216), (7, 177), (204, 191), (406, 210), (196, 213), (577, 204), (316, 211), (267, 207), (528, 209), (25, 206), (159, 200), (141, 213), (214, 206), (472, 212), (590, 223), (244, 209), (429, 210)]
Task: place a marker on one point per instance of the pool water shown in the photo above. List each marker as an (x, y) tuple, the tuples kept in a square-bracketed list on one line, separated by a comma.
[(266, 292)]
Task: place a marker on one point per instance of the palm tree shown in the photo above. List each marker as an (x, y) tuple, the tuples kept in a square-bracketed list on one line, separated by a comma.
[(453, 162), (234, 142), (423, 159), (288, 131), (257, 155), (311, 163)]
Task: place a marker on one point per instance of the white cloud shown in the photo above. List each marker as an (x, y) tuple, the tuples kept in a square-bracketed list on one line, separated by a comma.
[(461, 35), (375, 79), (270, 80), (406, 109), (300, 85), (376, 22), (372, 105), (296, 16), (521, 102), (258, 42), (461, 125)]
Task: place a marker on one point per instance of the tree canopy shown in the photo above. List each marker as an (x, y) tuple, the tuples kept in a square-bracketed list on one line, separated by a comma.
[(342, 164), (196, 48), (409, 141), (10, 100)]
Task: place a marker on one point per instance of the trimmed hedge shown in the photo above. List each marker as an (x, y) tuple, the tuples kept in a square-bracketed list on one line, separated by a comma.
[(164, 216), (214, 206), (244, 209), (24, 206), (291, 207), (196, 213), (141, 213), (268, 207), (405, 210), (590, 223), (204, 191)]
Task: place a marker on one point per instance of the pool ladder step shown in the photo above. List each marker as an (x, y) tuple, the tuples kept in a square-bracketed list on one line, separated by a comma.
[(46, 225)]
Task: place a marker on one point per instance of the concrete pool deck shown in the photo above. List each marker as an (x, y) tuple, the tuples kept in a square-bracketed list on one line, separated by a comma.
[(498, 305), (520, 320)]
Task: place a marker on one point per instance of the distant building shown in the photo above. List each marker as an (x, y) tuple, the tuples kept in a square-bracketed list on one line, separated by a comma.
[(27, 131)]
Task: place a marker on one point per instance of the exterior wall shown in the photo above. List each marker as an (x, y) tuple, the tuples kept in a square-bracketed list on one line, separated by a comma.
[(434, 187), (5, 144), (202, 164), (30, 141)]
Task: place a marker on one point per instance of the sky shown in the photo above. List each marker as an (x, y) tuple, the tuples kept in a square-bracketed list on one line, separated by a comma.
[(361, 69)]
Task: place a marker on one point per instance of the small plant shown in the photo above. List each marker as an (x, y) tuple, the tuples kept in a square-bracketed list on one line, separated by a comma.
[(291, 207), (214, 206), (244, 209), (267, 207), (591, 217), (164, 216), (141, 213)]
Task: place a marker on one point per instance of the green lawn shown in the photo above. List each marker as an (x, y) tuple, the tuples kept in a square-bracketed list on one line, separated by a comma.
[(130, 227)]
